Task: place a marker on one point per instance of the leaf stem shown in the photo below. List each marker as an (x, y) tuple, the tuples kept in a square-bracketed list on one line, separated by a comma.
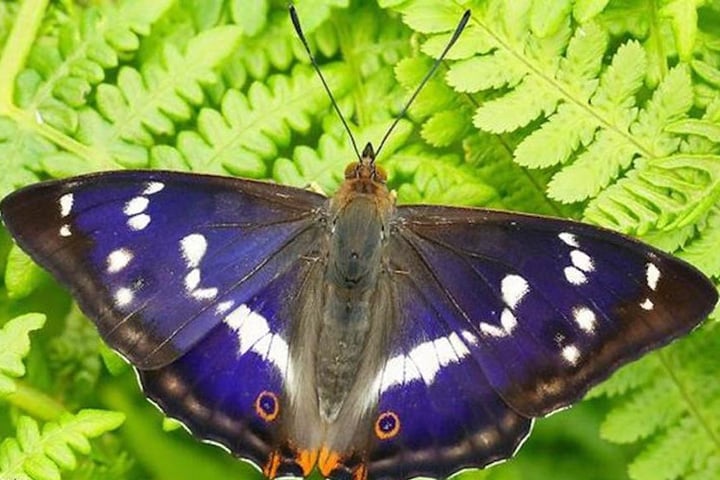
[(18, 47), (692, 407), (34, 402)]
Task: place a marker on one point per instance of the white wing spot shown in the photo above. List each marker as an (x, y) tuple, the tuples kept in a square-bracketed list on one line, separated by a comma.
[(123, 296), (425, 358), (492, 330), (469, 337), (153, 187), (508, 321), (249, 326), (253, 334), (585, 318), (647, 304), (652, 274), (192, 280), (136, 205), (569, 239), (65, 231), (205, 293), (66, 204), (571, 354), (139, 222), (223, 307), (514, 288), (118, 259), (575, 276), (582, 261), (422, 362), (193, 248)]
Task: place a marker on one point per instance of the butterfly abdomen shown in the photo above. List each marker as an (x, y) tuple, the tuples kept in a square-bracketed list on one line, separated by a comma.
[(355, 259)]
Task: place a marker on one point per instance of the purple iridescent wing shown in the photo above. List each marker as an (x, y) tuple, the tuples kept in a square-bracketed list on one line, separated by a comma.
[(228, 388), (437, 412), (154, 258), (546, 308)]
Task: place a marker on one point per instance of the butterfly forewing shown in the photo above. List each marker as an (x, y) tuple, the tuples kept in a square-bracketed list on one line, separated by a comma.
[(549, 307), (152, 257)]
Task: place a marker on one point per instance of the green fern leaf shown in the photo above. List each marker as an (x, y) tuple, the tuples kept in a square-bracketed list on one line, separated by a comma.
[(584, 10), (248, 129), (22, 275), (570, 126), (63, 70), (148, 104), (20, 149), (435, 178), (546, 18), (250, 15), (40, 455), (673, 407), (14, 346), (446, 118), (666, 193), (703, 251)]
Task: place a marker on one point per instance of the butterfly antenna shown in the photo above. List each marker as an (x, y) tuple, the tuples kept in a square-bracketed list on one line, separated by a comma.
[(298, 29), (458, 30)]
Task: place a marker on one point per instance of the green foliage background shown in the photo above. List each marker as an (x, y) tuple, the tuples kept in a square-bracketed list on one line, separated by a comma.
[(601, 110)]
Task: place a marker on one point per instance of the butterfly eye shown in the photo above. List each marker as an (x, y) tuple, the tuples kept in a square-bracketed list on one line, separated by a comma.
[(380, 174), (351, 170)]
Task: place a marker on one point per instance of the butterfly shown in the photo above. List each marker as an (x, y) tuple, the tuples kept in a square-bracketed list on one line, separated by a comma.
[(349, 334), (369, 340)]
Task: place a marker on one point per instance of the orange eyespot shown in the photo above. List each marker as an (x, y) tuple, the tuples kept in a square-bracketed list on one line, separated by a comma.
[(387, 425), (267, 406)]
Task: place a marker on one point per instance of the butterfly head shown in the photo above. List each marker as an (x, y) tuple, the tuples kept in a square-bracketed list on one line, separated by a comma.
[(366, 169)]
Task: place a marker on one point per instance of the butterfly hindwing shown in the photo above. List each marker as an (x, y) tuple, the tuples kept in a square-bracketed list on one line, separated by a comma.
[(152, 256), (229, 387), (555, 306), (437, 412)]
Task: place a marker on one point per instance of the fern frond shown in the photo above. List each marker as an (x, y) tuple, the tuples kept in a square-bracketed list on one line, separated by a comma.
[(148, 103), (671, 403), (14, 346), (41, 455), (249, 128), (431, 177), (73, 359), (553, 88), (20, 149), (63, 69), (703, 252), (446, 118), (22, 275), (665, 193)]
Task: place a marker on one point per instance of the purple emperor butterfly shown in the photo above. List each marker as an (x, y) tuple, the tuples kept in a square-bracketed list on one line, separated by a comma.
[(348, 334)]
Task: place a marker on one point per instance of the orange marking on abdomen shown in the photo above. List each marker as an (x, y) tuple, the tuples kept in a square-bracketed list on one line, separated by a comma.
[(307, 459), (360, 473), (271, 467), (328, 461)]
